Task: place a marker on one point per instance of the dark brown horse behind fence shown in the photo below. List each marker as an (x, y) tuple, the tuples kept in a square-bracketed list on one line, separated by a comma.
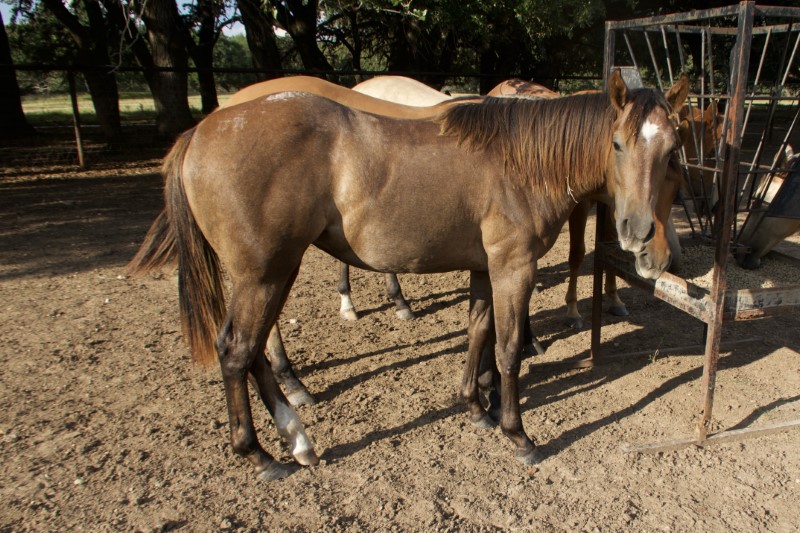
[(489, 186)]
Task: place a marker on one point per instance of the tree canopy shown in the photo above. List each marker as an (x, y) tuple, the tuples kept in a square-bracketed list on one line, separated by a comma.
[(432, 40)]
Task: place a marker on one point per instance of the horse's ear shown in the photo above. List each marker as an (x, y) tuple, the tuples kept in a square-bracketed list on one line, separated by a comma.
[(617, 90), (676, 96), (789, 152)]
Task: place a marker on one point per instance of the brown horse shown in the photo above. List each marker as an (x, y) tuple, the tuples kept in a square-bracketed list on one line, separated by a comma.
[(763, 231), (517, 87), (662, 250), (659, 252), (363, 102), (488, 184)]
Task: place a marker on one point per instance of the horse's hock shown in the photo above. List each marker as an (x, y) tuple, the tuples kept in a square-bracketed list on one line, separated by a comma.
[(743, 116)]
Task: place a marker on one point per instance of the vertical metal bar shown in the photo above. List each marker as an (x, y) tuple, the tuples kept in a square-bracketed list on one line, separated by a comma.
[(791, 59), (666, 53), (733, 146), (76, 117), (630, 49), (597, 279), (751, 179), (655, 62), (600, 221), (608, 54)]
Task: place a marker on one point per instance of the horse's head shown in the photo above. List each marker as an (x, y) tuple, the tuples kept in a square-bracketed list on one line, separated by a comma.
[(664, 251), (643, 138)]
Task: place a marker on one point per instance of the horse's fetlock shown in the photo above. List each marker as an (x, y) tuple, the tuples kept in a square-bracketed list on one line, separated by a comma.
[(243, 442)]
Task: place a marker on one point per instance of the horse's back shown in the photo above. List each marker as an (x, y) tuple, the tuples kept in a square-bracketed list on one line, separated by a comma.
[(517, 87), (313, 171), (401, 90)]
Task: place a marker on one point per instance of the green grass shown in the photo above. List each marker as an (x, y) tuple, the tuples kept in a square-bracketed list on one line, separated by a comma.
[(57, 109)]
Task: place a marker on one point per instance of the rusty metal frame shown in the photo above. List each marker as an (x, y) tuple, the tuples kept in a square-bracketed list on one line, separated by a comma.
[(718, 304)]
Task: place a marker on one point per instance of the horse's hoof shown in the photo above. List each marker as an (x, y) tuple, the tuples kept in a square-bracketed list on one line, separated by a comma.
[(495, 413), (307, 457), (349, 314), (529, 457), (484, 422), (277, 470), (574, 323), (405, 314), (538, 347), (618, 310), (300, 397)]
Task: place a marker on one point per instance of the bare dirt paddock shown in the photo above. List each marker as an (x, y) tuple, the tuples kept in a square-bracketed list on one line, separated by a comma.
[(106, 426)]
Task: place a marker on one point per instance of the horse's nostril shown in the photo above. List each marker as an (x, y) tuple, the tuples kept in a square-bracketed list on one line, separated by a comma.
[(651, 233)]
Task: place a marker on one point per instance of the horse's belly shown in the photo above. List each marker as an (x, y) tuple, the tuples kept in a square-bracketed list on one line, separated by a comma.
[(410, 248)]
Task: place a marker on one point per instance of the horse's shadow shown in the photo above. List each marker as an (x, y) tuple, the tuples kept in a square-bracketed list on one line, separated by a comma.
[(537, 392), (424, 306)]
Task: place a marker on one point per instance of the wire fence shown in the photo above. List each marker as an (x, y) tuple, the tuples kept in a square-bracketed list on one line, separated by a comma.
[(58, 104)]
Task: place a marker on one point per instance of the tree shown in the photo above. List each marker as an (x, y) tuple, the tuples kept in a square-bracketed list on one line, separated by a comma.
[(11, 115), (205, 14), (93, 52), (299, 19), (259, 25), (166, 35)]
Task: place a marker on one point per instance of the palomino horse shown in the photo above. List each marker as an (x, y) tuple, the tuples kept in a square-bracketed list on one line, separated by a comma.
[(251, 187), (401, 90), (762, 232)]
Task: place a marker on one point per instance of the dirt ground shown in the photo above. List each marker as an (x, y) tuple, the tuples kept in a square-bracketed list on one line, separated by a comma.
[(107, 426)]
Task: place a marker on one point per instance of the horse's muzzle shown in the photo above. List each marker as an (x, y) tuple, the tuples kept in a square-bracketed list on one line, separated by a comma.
[(647, 266), (635, 233)]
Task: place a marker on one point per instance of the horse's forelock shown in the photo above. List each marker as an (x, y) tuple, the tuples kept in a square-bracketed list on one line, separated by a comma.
[(643, 102)]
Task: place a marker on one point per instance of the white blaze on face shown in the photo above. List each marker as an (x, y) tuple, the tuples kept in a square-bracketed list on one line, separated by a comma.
[(649, 130)]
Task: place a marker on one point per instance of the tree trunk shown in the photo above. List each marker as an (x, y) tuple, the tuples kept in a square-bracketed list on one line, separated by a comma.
[(170, 88), (259, 28), (300, 22), (11, 115), (202, 53), (93, 53)]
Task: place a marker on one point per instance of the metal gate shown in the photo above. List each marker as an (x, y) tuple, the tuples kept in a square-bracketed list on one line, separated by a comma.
[(740, 58)]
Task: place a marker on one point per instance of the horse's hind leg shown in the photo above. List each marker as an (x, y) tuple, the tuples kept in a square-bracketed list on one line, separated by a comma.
[(395, 294), (479, 332), (347, 310), (253, 309), (296, 391), (286, 420)]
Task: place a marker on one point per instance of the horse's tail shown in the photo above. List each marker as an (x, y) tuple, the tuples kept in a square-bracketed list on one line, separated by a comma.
[(175, 235)]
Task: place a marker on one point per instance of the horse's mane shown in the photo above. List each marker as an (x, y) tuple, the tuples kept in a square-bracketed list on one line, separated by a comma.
[(555, 145)]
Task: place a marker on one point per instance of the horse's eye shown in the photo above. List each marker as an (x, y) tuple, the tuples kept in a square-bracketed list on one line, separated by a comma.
[(617, 147)]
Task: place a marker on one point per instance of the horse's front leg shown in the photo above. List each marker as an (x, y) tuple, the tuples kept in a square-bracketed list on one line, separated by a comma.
[(577, 251), (617, 307), (395, 294), (512, 290), (346, 310), (479, 331)]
